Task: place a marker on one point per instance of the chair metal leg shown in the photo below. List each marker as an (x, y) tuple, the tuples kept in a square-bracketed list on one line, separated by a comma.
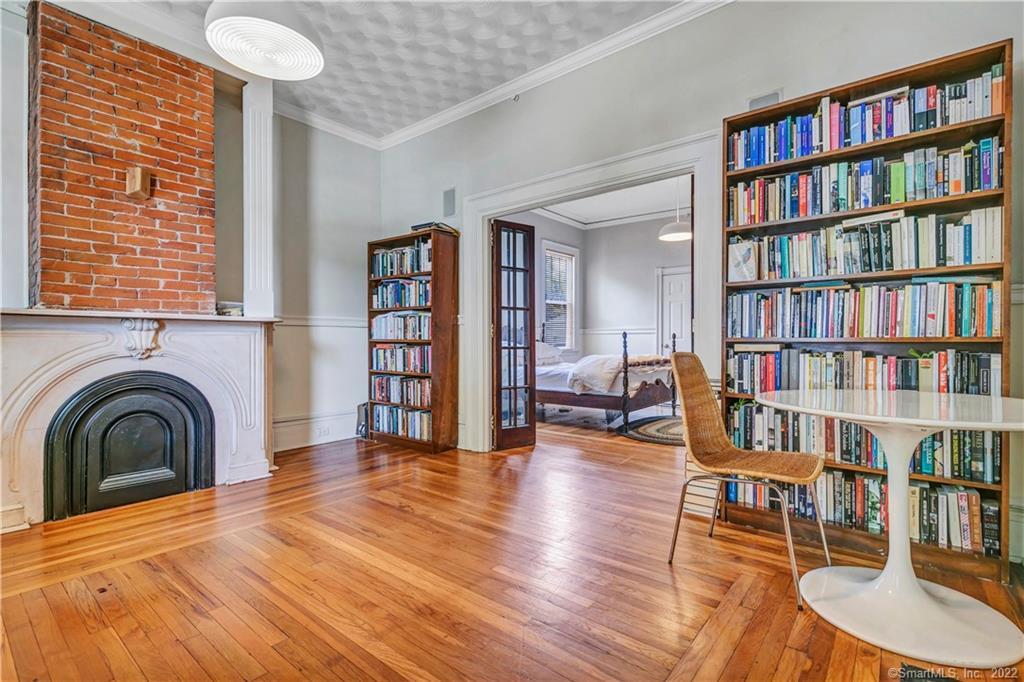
[(789, 543), (679, 516), (714, 512), (821, 524)]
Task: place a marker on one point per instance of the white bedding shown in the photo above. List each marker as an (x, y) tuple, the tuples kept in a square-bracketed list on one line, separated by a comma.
[(565, 377)]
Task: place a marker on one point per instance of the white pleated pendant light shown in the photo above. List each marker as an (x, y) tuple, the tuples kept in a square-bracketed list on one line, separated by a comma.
[(269, 39)]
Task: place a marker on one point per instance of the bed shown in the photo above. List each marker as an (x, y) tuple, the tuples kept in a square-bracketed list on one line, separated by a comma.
[(616, 385)]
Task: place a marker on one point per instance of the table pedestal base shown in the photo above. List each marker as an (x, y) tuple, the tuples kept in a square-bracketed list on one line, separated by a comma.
[(923, 620)]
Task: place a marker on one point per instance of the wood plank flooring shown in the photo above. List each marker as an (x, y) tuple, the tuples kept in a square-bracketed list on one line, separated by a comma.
[(360, 561)]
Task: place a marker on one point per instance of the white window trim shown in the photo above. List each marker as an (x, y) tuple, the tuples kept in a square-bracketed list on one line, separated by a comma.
[(574, 305)]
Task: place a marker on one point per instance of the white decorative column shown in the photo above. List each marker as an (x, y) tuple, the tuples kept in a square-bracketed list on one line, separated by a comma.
[(260, 262)]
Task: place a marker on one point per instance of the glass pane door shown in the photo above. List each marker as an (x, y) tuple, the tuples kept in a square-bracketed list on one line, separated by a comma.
[(512, 267)]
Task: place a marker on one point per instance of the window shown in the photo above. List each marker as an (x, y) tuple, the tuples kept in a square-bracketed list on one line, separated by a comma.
[(559, 296)]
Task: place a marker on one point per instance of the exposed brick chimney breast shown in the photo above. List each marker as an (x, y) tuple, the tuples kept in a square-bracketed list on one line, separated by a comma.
[(101, 102)]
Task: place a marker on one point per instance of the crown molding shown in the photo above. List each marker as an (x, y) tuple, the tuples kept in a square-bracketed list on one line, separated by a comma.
[(327, 125), (143, 21), (18, 9), (685, 11), (642, 218), (559, 218), (611, 222)]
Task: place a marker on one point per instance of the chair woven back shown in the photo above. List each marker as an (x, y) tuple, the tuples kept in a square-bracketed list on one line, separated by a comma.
[(703, 428)]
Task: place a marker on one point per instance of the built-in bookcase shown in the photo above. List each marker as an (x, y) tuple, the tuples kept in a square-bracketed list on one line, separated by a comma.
[(824, 226), (413, 340)]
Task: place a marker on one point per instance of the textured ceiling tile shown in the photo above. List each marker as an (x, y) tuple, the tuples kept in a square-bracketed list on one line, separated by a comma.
[(392, 64)]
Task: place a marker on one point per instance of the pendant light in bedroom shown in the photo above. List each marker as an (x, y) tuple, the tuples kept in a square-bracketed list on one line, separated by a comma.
[(676, 231)]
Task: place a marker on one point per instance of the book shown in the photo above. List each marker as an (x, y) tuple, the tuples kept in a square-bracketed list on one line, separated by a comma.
[(837, 310), (402, 260), (878, 116), (444, 227), (923, 173), (742, 261)]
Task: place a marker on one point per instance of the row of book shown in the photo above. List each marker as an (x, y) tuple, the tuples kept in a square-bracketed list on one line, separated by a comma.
[(954, 454), (757, 368), (402, 260), (877, 243), (398, 358), (834, 125), (393, 389), (404, 325), (948, 516), (925, 173), (401, 293), (925, 307), (400, 421)]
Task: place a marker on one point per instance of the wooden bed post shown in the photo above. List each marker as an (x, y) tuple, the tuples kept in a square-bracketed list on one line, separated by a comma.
[(672, 375), (625, 384)]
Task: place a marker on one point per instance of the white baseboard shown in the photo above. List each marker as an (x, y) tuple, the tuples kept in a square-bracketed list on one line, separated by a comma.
[(249, 471), (12, 518), (301, 431)]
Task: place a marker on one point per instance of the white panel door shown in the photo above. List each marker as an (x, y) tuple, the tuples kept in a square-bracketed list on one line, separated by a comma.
[(676, 310)]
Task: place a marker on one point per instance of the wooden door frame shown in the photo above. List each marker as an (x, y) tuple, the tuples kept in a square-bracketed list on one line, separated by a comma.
[(529, 435), (659, 276), (700, 154)]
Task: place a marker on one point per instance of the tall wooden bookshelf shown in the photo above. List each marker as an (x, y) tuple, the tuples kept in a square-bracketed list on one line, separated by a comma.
[(952, 68), (442, 340)]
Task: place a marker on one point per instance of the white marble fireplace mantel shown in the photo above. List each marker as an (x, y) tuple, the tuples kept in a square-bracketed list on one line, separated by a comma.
[(47, 355)]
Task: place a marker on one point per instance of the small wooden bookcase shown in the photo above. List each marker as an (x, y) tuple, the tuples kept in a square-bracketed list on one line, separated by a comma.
[(953, 68), (442, 341)]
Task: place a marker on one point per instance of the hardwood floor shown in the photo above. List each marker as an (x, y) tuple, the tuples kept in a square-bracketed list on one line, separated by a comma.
[(371, 562)]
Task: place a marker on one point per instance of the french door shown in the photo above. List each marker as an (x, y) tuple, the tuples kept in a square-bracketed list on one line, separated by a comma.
[(512, 332)]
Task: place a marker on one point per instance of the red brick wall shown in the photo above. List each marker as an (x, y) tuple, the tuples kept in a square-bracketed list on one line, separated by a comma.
[(100, 102)]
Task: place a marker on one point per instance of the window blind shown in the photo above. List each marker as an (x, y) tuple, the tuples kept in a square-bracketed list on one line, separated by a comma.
[(559, 276)]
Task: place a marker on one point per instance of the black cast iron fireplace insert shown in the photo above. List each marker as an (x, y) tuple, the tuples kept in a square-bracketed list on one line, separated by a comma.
[(126, 438)]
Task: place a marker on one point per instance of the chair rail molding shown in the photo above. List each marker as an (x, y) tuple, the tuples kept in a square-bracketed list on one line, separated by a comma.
[(322, 321), (698, 154), (617, 331)]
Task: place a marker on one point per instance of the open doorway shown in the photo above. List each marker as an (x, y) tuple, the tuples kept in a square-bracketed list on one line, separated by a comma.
[(609, 299)]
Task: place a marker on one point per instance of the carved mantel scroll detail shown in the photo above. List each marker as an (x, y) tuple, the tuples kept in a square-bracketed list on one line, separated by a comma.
[(141, 336)]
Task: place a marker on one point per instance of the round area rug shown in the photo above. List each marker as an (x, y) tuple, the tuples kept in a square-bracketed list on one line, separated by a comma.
[(661, 430)]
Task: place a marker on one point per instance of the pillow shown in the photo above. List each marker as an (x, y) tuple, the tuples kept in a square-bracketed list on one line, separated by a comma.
[(548, 354)]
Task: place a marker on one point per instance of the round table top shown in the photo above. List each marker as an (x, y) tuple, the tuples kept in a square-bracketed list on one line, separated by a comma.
[(909, 408)]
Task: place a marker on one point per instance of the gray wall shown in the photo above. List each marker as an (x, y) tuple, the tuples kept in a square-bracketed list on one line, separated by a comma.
[(620, 281), (227, 143), (328, 203), (328, 207), (682, 82), (13, 165)]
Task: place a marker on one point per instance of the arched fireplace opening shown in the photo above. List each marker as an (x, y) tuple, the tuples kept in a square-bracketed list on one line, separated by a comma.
[(126, 438)]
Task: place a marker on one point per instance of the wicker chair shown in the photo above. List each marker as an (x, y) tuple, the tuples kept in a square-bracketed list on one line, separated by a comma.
[(714, 453)]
